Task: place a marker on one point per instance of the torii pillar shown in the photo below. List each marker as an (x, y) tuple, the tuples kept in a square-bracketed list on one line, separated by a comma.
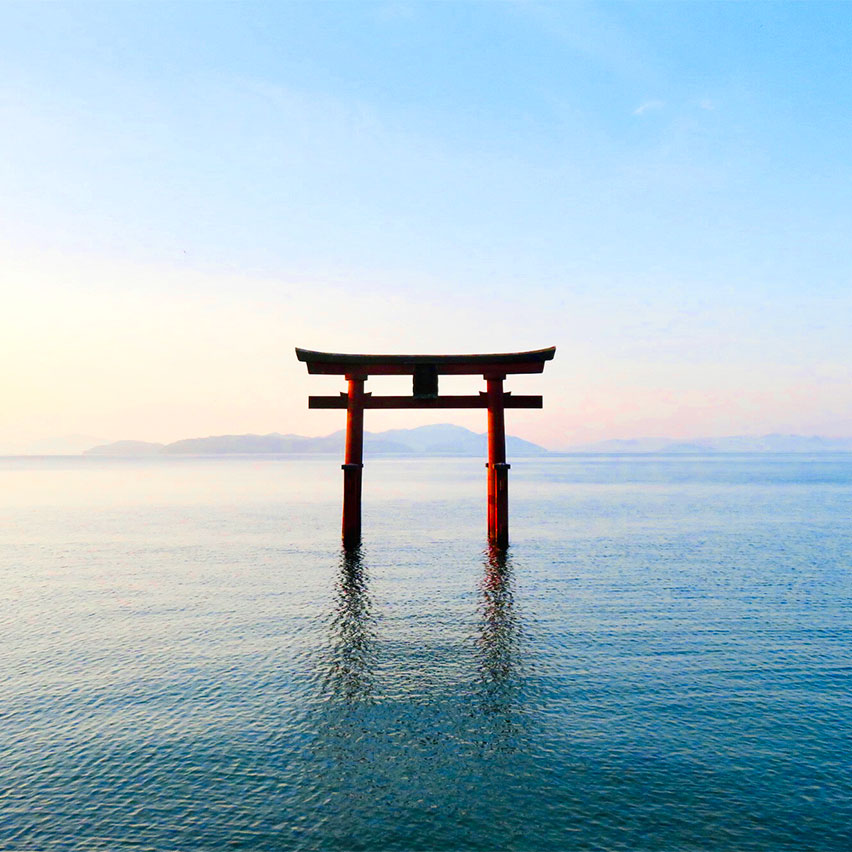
[(353, 461), (425, 370), (498, 470)]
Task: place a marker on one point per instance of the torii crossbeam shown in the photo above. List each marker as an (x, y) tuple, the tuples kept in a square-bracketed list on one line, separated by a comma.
[(425, 370)]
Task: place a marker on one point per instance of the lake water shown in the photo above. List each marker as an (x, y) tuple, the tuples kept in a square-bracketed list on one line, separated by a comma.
[(663, 661)]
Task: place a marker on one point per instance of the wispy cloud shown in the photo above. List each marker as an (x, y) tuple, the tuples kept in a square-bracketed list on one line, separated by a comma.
[(648, 106)]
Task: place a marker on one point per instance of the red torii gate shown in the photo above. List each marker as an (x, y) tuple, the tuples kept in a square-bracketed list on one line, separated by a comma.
[(425, 370)]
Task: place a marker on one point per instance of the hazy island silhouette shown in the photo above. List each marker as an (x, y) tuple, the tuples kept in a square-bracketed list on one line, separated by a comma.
[(449, 439)]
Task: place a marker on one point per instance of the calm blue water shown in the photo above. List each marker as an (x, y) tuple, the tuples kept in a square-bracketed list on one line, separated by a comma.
[(662, 662)]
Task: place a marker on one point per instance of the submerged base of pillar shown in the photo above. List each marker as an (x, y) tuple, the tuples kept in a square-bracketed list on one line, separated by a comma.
[(498, 504), (352, 474)]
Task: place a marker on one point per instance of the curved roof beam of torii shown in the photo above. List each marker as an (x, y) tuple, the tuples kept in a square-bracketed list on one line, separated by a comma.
[(336, 363)]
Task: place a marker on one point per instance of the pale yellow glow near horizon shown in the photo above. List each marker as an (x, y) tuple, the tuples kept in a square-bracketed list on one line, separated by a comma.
[(123, 350)]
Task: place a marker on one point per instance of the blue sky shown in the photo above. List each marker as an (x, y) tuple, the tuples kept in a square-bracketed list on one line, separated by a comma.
[(660, 190)]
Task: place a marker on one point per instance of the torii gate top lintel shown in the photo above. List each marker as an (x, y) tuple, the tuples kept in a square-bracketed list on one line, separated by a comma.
[(337, 363), (425, 370)]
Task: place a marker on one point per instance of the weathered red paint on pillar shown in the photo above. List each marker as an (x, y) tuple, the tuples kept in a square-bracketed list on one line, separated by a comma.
[(498, 470), (353, 462)]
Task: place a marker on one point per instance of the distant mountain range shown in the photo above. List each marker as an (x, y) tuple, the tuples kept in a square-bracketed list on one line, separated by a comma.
[(732, 444), (63, 445), (443, 439), (438, 440)]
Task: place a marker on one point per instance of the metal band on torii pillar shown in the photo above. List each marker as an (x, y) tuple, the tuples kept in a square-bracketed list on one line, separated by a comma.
[(425, 370)]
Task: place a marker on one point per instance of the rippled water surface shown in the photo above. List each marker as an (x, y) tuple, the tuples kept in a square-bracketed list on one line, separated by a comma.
[(662, 662)]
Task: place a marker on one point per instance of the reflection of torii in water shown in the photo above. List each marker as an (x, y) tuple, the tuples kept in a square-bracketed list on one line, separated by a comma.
[(499, 635), (425, 370), (350, 677)]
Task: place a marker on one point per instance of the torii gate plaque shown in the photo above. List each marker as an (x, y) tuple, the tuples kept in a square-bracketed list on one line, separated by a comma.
[(425, 370)]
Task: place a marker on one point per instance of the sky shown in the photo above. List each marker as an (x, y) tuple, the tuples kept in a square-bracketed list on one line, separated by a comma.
[(190, 190)]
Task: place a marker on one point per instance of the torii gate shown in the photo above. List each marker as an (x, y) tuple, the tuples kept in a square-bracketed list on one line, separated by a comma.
[(425, 370)]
